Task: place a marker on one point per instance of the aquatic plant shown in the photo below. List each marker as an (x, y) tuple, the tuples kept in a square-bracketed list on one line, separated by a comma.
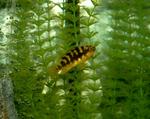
[(125, 81), (38, 40)]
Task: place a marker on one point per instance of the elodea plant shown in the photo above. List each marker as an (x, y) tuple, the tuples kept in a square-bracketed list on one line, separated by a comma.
[(47, 53), (125, 83)]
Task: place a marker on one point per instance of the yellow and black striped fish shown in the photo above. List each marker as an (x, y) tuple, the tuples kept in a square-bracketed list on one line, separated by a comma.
[(74, 57)]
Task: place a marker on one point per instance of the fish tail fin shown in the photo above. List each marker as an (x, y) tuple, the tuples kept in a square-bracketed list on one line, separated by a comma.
[(52, 70)]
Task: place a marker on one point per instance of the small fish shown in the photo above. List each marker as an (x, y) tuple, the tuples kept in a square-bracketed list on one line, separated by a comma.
[(73, 58)]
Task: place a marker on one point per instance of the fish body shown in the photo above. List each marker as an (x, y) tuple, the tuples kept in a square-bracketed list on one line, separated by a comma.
[(74, 57)]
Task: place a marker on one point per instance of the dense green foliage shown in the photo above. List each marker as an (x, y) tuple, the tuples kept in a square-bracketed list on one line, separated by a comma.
[(38, 39), (113, 85), (126, 78), (3, 4)]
